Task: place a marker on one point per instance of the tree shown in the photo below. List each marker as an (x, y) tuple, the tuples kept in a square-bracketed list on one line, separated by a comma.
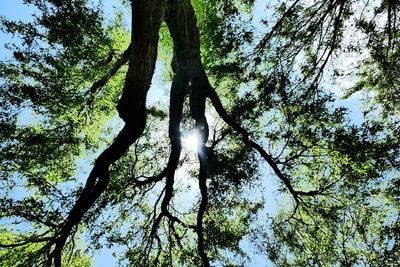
[(271, 104)]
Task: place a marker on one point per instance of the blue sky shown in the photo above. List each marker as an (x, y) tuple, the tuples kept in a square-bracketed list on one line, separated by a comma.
[(14, 9)]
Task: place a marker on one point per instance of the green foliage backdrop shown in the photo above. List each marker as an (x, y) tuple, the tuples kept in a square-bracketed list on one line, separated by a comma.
[(261, 82)]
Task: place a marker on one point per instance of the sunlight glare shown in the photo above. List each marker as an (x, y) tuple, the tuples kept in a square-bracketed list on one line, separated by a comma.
[(191, 141)]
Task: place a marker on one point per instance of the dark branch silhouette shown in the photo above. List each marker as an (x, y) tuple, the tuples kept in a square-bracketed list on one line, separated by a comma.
[(146, 18)]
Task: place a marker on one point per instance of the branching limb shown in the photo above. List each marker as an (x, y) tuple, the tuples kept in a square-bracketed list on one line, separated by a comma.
[(177, 97), (95, 185), (203, 205), (146, 21), (186, 39), (198, 101), (124, 58), (151, 179), (197, 108), (26, 242), (246, 140)]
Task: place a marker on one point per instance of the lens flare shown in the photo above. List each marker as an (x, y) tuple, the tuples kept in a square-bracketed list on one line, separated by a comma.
[(191, 141)]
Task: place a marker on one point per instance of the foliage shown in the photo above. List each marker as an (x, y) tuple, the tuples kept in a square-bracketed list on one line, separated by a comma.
[(274, 113)]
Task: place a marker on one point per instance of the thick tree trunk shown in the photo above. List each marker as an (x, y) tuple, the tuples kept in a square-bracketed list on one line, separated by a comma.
[(146, 20)]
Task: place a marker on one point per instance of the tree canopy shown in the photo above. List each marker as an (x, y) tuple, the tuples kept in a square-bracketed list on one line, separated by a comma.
[(256, 90)]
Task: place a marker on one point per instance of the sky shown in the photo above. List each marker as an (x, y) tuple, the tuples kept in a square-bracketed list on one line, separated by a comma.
[(14, 9)]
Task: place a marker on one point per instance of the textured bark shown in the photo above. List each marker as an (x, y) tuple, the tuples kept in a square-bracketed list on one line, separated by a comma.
[(183, 28), (146, 20)]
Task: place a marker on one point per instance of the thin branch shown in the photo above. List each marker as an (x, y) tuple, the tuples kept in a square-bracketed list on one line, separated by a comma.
[(245, 135), (278, 24), (151, 179), (106, 77), (117, 65), (25, 242)]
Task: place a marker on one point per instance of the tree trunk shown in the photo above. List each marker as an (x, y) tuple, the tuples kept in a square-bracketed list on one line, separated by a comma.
[(146, 20)]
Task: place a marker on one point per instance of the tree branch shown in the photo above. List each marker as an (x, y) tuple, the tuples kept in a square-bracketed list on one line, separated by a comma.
[(117, 65), (26, 242), (146, 21), (177, 97), (246, 140)]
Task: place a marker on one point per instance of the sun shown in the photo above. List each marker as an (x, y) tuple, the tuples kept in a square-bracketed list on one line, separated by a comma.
[(190, 141)]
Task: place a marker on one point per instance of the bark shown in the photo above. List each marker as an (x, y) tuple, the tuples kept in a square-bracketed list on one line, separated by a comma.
[(182, 25), (177, 98), (146, 20), (178, 89)]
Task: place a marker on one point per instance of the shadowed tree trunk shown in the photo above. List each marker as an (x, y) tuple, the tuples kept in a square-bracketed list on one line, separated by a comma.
[(183, 28), (146, 20)]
